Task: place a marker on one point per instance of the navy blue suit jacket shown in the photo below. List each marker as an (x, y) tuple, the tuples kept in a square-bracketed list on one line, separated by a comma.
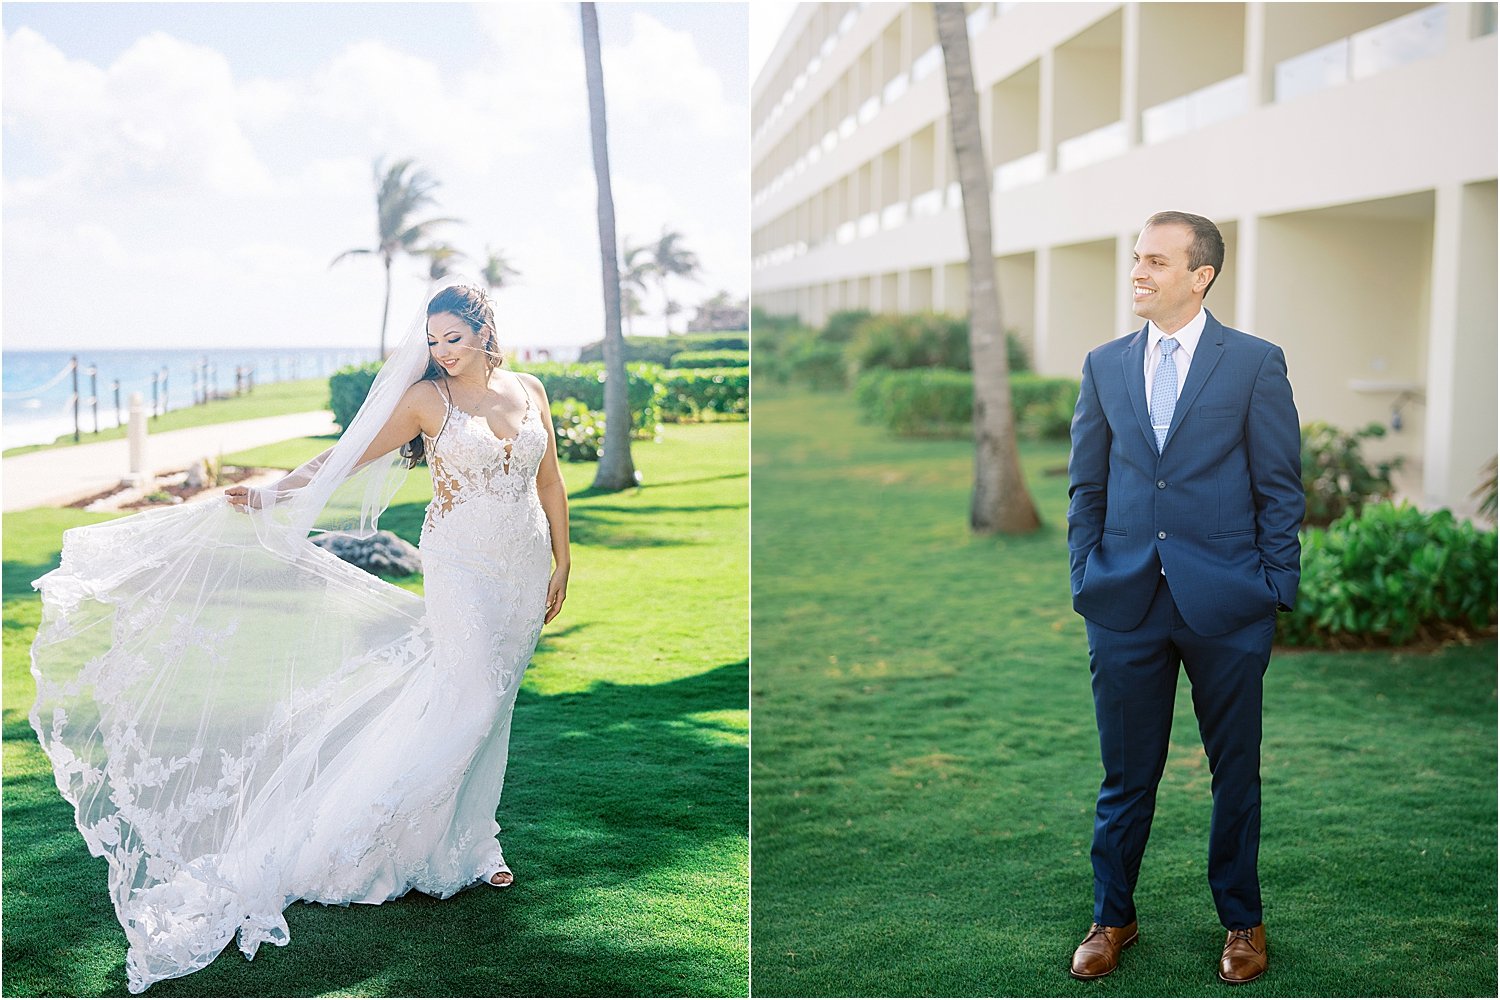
[(1218, 508)]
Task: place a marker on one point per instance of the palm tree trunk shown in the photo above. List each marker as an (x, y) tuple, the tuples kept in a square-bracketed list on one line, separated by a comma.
[(1000, 501), (616, 470), (385, 311)]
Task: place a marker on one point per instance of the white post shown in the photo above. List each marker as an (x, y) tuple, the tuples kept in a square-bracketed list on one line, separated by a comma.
[(140, 475)]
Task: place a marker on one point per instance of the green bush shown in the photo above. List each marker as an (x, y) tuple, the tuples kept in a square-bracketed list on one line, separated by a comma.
[(711, 359), (919, 340), (1335, 475), (690, 393), (585, 383), (659, 350), (578, 429), (347, 389), (938, 401), (1390, 574), (844, 324)]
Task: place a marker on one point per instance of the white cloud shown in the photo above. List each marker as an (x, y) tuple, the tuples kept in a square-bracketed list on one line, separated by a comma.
[(659, 75)]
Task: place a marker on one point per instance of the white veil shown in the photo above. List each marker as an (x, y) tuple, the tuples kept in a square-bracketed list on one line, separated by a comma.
[(197, 670)]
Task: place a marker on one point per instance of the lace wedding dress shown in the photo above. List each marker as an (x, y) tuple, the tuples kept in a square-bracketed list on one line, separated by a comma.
[(242, 720)]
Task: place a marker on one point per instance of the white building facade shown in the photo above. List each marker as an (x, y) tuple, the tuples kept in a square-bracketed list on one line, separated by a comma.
[(1346, 150)]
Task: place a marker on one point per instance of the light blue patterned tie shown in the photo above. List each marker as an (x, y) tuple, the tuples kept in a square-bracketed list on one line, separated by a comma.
[(1164, 391)]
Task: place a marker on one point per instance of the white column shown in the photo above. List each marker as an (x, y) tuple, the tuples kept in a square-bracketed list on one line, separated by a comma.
[(1130, 73), (1442, 344), (1246, 260), (1125, 317), (1046, 101), (1460, 23), (1256, 71), (1042, 294)]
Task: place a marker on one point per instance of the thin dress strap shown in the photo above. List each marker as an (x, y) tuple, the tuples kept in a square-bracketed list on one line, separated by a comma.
[(525, 390)]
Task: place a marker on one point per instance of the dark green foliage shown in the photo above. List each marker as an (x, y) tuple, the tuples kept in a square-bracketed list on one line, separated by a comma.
[(585, 383), (659, 350), (814, 362), (926, 761), (843, 325), (578, 429), (1390, 574), (711, 359), (916, 340), (940, 402), (347, 389), (771, 344), (692, 393), (1336, 476)]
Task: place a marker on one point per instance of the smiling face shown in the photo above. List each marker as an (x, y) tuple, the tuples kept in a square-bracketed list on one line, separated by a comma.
[(1164, 289), (455, 347)]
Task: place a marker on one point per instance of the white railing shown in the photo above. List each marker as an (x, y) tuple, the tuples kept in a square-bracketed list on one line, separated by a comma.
[(845, 233), (1199, 109), (926, 63), (1091, 147), (927, 203), (895, 87), (869, 109), (1418, 35), (869, 224), (893, 215), (1021, 171)]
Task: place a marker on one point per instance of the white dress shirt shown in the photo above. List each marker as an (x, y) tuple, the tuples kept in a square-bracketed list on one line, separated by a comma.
[(1187, 345)]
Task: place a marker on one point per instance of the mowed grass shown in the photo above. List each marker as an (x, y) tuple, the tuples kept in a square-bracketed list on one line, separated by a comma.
[(624, 814), (926, 761), (272, 399)]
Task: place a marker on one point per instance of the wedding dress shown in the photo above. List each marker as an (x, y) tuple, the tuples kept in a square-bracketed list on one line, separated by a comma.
[(242, 720)]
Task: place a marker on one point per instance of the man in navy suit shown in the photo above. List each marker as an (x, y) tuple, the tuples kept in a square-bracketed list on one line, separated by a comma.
[(1186, 495)]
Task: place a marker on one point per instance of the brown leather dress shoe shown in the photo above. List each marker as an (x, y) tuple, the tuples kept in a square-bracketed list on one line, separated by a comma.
[(1099, 954), (1245, 956)]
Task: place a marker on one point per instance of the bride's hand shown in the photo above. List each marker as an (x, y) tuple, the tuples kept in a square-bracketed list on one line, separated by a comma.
[(557, 592), (242, 498)]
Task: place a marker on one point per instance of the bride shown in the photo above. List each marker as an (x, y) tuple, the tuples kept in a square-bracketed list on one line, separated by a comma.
[(241, 719)]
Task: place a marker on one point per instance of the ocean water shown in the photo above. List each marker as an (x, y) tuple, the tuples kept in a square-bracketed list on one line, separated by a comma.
[(38, 407)]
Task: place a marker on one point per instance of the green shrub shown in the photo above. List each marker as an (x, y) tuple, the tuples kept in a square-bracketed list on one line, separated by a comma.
[(659, 350), (347, 389), (1335, 475), (844, 324), (690, 393), (711, 359), (917, 340), (771, 344), (585, 383), (1389, 574), (815, 362), (578, 429), (938, 401)]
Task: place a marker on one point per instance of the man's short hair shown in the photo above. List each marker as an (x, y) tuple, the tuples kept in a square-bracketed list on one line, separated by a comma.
[(1208, 243)]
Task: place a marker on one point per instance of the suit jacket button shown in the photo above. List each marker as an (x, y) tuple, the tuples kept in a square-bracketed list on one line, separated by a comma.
[(1161, 484), (1161, 534)]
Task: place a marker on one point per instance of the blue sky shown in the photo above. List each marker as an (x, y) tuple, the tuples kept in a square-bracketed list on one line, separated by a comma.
[(195, 167)]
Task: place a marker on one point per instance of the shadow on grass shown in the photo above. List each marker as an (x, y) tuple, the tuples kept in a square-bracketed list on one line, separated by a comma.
[(16, 577), (622, 803)]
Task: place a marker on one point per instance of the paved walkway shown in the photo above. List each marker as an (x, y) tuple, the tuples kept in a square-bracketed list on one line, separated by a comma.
[(59, 476)]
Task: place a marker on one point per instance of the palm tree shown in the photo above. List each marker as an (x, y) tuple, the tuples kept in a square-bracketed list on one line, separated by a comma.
[(616, 470), (635, 269), (498, 272), (399, 193), (669, 258), (441, 259), (1000, 501)]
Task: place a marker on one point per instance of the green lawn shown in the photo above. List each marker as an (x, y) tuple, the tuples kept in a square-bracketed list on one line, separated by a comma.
[(625, 800), (926, 761), (269, 400)]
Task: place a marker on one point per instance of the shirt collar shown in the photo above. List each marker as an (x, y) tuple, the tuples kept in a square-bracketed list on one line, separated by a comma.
[(1187, 337)]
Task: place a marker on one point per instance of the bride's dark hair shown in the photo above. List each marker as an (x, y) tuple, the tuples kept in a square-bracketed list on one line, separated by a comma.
[(471, 305)]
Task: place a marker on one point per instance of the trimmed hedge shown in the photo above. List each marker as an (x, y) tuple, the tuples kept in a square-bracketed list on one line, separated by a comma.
[(690, 393), (1390, 574), (711, 359), (347, 389), (585, 383), (940, 401), (659, 350), (578, 429)]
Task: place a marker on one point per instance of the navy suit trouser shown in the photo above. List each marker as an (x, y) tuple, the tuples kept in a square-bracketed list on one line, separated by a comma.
[(1135, 685)]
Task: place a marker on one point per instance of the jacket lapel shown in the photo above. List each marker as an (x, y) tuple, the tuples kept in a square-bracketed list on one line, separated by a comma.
[(1210, 350), (1134, 364)]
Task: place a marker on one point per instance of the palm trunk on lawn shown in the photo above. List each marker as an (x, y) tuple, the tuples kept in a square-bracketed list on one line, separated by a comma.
[(616, 469), (1000, 501)]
